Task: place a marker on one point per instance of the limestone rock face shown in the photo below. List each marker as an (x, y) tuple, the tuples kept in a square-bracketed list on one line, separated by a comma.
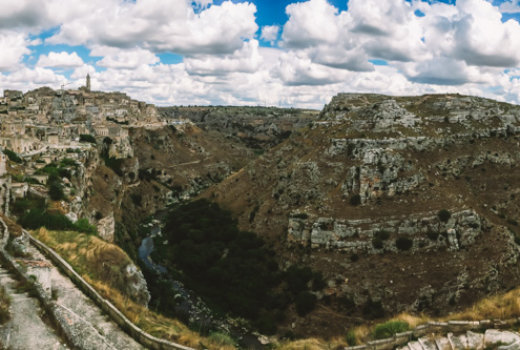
[(135, 285), (425, 230), (106, 227)]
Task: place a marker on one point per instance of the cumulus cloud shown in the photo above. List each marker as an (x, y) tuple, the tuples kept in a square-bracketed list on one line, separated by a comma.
[(14, 47), (60, 60), (270, 33), (118, 58), (170, 25), (246, 59), (511, 6)]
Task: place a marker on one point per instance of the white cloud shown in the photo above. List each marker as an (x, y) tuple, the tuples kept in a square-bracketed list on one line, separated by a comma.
[(511, 6), (270, 33), (166, 25), (60, 60), (312, 23), (13, 47), (118, 58), (246, 59)]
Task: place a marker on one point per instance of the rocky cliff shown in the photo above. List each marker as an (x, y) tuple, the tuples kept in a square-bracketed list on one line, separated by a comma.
[(404, 203), (256, 127)]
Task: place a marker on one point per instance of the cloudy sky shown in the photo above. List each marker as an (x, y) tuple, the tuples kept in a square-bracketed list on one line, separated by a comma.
[(262, 52)]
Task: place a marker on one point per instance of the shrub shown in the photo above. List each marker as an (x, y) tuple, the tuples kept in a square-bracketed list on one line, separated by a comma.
[(37, 218), (318, 282), (379, 237), (297, 278), (87, 138), (444, 215), (388, 329), (351, 338), (432, 235), (136, 199), (382, 235), (355, 200), (305, 303), (377, 243), (82, 225), (403, 243), (115, 164), (13, 156), (56, 191)]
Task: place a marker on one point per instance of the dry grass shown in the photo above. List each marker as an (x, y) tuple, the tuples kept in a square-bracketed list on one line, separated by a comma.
[(97, 261), (502, 306), (14, 229), (5, 302)]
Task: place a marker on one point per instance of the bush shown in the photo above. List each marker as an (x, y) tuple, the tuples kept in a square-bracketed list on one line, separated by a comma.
[(379, 237), (404, 243), (87, 138), (56, 191), (388, 329), (13, 156), (432, 235), (305, 303), (355, 200), (297, 278), (444, 215), (82, 225), (351, 338), (377, 243), (382, 235), (115, 164), (37, 218), (136, 199)]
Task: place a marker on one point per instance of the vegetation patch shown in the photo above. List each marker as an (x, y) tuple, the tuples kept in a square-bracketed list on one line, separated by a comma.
[(234, 271), (13, 156), (87, 138), (403, 243), (444, 215), (36, 218), (388, 329)]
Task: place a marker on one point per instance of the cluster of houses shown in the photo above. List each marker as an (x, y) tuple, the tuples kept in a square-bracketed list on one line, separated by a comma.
[(45, 125)]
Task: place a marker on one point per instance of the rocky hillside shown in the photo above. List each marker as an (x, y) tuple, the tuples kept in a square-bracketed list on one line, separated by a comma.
[(404, 203), (257, 127)]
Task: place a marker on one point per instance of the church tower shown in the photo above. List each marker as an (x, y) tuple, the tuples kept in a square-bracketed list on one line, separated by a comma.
[(88, 83)]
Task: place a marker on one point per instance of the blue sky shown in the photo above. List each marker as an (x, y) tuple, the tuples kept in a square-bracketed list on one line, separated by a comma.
[(266, 52)]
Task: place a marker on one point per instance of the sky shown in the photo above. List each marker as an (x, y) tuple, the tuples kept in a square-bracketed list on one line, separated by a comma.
[(262, 52)]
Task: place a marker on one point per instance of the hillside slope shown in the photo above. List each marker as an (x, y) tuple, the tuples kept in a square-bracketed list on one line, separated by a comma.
[(404, 203)]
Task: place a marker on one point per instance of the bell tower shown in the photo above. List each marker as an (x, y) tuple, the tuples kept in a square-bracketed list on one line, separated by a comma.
[(88, 83)]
